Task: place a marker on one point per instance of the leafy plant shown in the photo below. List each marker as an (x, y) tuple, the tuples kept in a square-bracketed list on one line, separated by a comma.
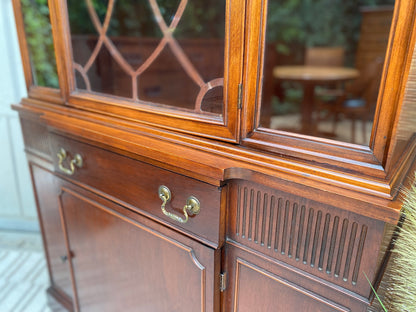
[(399, 282), (375, 293), (40, 42), (295, 24), (402, 270), (202, 19)]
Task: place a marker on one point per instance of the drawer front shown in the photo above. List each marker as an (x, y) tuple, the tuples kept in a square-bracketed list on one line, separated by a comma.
[(135, 185)]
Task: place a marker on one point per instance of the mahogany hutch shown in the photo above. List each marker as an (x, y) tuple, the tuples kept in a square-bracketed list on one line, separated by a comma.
[(161, 183)]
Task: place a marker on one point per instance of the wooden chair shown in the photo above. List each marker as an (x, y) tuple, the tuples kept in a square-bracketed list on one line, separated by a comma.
[(359, 98), (325, 56)]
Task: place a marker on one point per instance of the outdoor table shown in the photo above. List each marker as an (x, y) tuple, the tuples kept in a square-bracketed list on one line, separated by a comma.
[(310, 77)]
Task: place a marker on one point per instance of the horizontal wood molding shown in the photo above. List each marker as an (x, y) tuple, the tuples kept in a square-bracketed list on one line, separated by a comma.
[(212, 126), (216, 162)]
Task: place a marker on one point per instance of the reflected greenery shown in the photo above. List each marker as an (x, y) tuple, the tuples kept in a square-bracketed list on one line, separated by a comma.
[(40, 43), (131, 19), (201, 19), (296, 24)]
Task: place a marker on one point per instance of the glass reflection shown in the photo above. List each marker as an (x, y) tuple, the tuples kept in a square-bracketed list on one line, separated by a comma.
[(323, 65), (406, 127), (40, 43), (164, 52)]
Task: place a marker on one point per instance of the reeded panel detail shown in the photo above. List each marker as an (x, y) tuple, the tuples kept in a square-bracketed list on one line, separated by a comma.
[(312, 236)]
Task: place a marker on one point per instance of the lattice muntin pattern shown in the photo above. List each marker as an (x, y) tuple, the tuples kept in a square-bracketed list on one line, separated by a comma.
[(167, 40)]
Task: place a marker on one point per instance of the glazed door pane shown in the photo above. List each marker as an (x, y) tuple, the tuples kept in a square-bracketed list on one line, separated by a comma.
[(39, 41), (168, 53), (323, 66)]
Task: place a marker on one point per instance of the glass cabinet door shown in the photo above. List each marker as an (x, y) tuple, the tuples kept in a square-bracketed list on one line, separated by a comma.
[(324, 79), (323, 66), (162, 62), (39, 41)]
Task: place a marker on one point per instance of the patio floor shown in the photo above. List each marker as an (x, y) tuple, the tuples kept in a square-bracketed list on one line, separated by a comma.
[(23, 273), (24, 276)]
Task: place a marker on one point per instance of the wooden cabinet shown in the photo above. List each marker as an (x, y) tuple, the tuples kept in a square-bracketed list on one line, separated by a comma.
[(139, 191), (261, 284), (98, 249), (176, 171), (116, 254), (47, 191)]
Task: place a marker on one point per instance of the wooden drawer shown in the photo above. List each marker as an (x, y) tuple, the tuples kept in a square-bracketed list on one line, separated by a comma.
[(135, 185)]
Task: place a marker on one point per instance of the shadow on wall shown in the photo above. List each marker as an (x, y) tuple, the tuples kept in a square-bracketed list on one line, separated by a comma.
[(17, 207)]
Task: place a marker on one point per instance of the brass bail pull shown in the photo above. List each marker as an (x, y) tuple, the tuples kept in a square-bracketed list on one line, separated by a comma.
[(192, 206), (73, 163)]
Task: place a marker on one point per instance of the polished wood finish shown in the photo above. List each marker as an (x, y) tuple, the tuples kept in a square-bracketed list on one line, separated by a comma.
[(398, 57), (34, 91), (291, 220), (258, 283), (141, 265), (56, 302), (47, 190), (223, 127), (143, 197), (322, 240)]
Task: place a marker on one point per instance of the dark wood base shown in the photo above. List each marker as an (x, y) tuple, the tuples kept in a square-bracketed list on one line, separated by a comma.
[(58, 302)]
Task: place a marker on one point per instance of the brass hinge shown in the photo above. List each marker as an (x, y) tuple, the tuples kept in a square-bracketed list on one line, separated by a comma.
[(240, 96), (223, 281)]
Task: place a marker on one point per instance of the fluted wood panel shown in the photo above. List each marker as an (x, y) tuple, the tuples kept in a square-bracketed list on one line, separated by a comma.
[(319, 239)]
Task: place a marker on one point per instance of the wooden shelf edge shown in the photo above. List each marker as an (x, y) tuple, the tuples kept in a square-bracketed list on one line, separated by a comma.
[(216, 162)]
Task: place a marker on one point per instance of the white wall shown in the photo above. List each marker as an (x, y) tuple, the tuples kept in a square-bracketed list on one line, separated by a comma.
[(17, 207)]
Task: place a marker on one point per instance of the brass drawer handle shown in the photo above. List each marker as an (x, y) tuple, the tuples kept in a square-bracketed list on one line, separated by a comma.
[(192, 206), (75, 162)]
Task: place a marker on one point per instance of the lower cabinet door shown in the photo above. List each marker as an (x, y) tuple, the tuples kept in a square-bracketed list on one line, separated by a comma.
[(257, 283), (47, 188), (121, 261)]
